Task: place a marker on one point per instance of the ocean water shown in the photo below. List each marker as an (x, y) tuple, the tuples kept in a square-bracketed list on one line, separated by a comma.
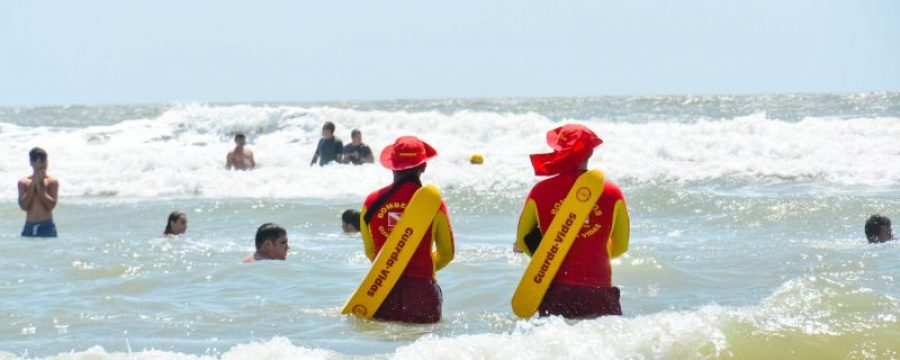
[(747, 230)]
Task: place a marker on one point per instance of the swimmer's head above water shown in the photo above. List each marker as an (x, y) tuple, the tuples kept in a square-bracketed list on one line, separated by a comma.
[(177, 224), (878, 229), (350, 221), (271, 242)]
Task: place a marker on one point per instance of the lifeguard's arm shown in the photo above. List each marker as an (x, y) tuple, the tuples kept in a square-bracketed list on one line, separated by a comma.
[(528, 233), (26, 196), (368, 242), (618, 237), (442, 234)]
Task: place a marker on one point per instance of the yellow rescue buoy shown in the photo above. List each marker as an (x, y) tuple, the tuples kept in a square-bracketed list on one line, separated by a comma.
[(476, 159)]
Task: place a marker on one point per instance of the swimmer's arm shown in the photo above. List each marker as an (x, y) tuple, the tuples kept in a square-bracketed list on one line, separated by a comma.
[(316, 154), (339, 151), (47, 195), (252, 160), (368, 158), (315, 157), (528, 233), (229, 163), (618, 238), (443, 241), (368, 242), (26, 196)]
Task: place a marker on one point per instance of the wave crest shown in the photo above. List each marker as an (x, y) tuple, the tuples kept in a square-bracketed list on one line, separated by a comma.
[(182, 151)]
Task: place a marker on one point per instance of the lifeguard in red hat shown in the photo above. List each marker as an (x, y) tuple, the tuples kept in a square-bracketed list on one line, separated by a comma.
[(582, 286), (416, 297)]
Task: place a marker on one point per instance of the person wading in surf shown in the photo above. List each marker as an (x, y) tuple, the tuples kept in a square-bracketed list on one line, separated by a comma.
[(241, 158), (38, 193), (416, 297), (356, 152), (582, 286), (330, 148)]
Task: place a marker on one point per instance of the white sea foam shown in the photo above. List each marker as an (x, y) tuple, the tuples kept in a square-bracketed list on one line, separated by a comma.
[(182, 152)]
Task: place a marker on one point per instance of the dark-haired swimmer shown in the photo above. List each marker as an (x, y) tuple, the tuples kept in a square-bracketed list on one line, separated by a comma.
[(350, 221), (271, 243), (240, 158), (356, 152), (176, 225), (878, 229), (37, 197), (330, 148)]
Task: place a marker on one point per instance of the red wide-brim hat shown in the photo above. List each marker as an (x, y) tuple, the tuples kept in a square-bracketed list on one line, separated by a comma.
[(572, 143), (406, 153)]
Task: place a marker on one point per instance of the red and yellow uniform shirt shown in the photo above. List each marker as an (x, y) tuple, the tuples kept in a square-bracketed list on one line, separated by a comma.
[(603, 236), (424, 262)]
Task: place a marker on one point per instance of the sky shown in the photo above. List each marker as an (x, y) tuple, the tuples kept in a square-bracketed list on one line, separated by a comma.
[(160, 51)]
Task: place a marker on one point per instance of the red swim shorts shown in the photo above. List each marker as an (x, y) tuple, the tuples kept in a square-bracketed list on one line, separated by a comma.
[(412, 300), (580, 302)]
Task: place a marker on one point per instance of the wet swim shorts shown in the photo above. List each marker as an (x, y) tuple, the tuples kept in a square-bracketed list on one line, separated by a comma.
[(412, 300), (45, 228), (580, 302)]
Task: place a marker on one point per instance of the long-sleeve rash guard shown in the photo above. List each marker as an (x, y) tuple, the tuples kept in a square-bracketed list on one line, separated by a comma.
[(424, 262), (603, 236)]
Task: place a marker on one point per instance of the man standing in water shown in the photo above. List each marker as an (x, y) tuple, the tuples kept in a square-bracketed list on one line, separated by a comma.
[(582, 287), (37, 197), (240, 158), (330, 148), (356, 152)]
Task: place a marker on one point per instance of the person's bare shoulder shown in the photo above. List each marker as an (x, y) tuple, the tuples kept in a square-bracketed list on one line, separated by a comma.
[(25, 181)]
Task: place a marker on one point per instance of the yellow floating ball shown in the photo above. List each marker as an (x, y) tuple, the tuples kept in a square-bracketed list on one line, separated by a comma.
[(476, 159)]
